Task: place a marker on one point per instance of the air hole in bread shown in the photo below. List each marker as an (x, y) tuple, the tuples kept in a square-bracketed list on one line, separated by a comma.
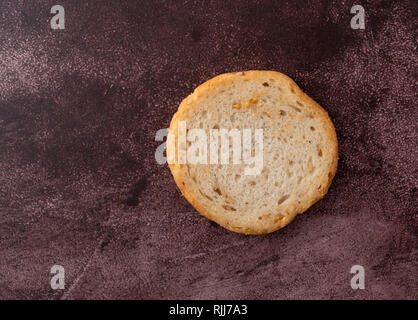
[(237, 176), (282, 112), (292, 90), (204, 112), (205, 195), (229, 208), (266, 115), (218, 191), (276, 184), (295, 108), (283, 199), (313, 128), (237, 105), (265, 84), (291, 163), (215, 126), (320, 152), (289, 173), (252, 183), (311, 167), (299, 104), (279, 218)]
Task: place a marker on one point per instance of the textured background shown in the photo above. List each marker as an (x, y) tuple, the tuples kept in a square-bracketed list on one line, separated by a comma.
[(79, 185)]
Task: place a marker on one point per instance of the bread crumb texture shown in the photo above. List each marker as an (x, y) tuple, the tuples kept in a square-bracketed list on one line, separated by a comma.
[(300, 151)]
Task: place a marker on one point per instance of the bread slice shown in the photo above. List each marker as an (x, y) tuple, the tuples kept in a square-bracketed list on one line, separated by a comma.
[(299, 153)]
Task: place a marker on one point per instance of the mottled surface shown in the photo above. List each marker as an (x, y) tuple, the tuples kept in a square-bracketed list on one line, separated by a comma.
[(80, 187)]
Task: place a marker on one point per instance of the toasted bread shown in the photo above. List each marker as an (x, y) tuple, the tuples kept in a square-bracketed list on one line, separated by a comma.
[(299, 150)]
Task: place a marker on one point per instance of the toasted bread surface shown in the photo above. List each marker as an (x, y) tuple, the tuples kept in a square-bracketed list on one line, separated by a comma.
[(299, 151)]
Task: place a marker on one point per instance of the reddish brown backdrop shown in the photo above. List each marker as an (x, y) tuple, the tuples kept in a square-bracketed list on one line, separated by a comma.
[(79, 185)]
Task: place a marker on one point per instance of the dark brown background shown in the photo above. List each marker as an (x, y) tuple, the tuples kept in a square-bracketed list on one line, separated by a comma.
[(79, 185)]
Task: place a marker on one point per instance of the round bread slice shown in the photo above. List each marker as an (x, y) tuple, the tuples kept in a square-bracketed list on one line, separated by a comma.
[(299, 151)]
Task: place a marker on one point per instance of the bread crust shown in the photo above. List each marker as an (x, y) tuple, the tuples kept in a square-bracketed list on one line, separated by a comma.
[(179, 171)]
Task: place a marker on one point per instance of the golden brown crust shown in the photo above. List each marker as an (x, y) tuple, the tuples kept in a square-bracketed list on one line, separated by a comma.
[(189, 193)]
